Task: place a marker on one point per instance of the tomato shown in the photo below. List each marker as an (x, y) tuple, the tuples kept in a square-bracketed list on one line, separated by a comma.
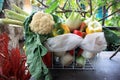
[(77, 32), (71, 52), (47, 59), (80, 52)]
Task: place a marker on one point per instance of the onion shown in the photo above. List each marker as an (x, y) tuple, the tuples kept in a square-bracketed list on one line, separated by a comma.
[(66, 60)]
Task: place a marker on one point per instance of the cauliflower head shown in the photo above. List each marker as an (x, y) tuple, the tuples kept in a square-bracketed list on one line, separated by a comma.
[(42, 23)]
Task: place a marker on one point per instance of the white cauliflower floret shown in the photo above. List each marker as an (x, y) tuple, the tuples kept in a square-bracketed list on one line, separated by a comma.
[(42, 23)]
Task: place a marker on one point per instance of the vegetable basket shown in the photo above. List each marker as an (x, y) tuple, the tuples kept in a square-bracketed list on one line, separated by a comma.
[(53, 43)]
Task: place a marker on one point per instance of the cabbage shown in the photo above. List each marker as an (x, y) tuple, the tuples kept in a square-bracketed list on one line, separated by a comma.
[(80, 61), (74, 21)]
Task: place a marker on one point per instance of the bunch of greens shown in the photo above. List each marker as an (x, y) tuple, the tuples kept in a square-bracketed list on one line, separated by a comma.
[(16, 16), (35, 51)]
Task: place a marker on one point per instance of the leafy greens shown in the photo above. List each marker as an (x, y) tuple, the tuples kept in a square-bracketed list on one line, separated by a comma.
[(35, 51)]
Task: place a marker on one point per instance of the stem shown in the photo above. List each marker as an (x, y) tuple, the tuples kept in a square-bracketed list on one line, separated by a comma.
[(41, 2), (13, 15), (19, 10), (104, 14), (82, 14), (78, 4), (115, 52), (90, 7), (112, 4), (10, 21), (109, 15), (65, 5), (64, 11)]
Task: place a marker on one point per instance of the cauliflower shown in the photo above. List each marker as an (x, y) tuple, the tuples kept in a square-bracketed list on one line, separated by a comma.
[(42, 23)]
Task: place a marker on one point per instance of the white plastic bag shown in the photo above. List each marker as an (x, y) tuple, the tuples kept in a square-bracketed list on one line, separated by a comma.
[(94, 42), (63, 42)]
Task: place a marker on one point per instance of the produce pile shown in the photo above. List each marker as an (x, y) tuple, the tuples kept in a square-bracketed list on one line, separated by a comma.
[(49, 33)]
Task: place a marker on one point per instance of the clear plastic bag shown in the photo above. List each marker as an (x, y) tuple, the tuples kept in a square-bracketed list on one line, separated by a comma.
[(63, 42), (94, 42)]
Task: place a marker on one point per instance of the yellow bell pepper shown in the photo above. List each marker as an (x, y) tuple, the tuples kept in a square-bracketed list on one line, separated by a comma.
[(93, 26), (60, 29)]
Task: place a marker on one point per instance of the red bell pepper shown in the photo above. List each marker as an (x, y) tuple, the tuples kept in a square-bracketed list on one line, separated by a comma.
[(47, 59), (77, 32)]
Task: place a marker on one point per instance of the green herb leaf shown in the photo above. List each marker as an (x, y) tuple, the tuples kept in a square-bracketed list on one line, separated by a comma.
[(48, 2), (52, 7), (56, 18)]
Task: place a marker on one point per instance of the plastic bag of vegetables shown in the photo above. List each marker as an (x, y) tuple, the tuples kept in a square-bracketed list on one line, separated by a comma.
[(63, 42), (94, 42)]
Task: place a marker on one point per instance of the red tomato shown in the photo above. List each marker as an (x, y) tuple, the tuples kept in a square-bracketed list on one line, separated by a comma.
[(71, 52), (77, 32), (80, 52), (47, 59)]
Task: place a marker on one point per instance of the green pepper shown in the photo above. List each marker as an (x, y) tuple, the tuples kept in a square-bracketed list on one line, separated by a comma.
[(60, 29)]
